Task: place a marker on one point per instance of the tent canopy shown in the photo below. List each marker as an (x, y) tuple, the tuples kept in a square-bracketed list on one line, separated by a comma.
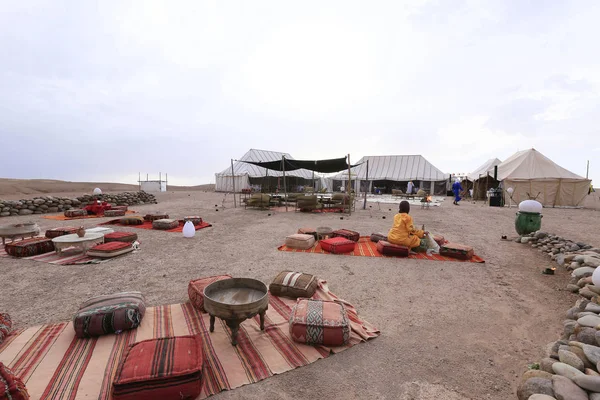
[(531, 164), (394, 168), (485, 169), (245, 166), (325, 166)]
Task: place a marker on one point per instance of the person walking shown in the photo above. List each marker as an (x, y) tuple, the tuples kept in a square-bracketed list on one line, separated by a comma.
[(409, 187), (456, 188)]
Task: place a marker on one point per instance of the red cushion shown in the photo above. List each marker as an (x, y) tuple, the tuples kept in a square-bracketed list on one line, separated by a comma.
[(5, 326), (456, 250), (63, 230), (319, 322), (11, 386), (390, 249), (120, 237), (158, 369), (111, 246), (196, 289), (338, 245), (439, 239), (346, 233), (29, 247)]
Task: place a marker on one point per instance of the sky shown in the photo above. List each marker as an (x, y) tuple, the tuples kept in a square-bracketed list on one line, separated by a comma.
[(104, 90)]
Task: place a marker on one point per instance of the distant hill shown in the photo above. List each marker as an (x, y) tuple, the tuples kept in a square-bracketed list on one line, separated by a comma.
[(39, 186)]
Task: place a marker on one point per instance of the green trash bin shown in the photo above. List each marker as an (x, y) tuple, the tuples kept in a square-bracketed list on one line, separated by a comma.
[(527, 222)]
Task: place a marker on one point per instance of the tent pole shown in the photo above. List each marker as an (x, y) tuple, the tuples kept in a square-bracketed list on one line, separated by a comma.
[(587, 171), (233, 183), (365, 202), (349, 187), (284, 185)]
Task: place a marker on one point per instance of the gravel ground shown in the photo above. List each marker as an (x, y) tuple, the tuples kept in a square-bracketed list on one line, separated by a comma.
[(449, 330)]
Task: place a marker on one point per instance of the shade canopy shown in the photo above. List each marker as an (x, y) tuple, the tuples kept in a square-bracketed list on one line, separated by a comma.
[(288, 164)]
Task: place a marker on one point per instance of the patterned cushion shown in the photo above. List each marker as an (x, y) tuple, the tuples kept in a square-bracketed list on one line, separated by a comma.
[(346, 233), (338, 245), (323, 231), (124, 208), (114, 213), (165, 224), (5, 326), (319, 322), (376, 237), (456, 250), (29, 247), (155, 216), (75, 212), (308, 231), (293, 284), (134, 220), (196, 220), (439, 239), (196, 289), (389, 249), (11, 386), (300, 241), (159, 369), (110, 249), (128, 237), (112, 313), (61, 231)]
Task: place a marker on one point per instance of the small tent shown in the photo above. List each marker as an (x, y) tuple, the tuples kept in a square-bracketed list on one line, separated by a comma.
[(393, 172), (482, 179), (532, 175), (247, 175)]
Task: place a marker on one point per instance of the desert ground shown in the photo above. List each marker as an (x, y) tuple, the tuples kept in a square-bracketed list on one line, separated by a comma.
[(449, 330)]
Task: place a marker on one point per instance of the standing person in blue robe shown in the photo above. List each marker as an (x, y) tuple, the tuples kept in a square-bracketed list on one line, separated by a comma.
[(456, 188)]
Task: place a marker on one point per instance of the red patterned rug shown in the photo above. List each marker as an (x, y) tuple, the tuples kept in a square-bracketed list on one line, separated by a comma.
[(148, 225)]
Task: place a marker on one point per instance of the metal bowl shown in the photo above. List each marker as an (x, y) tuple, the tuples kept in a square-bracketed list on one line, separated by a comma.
[(235, 298)]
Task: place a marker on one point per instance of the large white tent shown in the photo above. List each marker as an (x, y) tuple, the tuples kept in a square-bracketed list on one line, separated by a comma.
[(532, 175), (394, 172), (244, 172), (486, 169)]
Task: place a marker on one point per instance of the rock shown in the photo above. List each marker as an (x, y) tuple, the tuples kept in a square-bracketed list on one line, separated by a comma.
[(546, 364), (573, 288), (590, 371), (4, 214), (525, 239), (560, 260), (535, 386), (592, 353), (571, 359), (591, 261), (582, 272), (540, 235), (586, 292), (565, 370), (574, 247), (586, 335), (591, 383), (591, 307), (585, 281), (593, 288), (565, 389), (578, 351), (552, 349), (585, 313), (581, 303), (594, 396), (589, 320), (538, 396), (569, 327), (535, 373), (25, 211), (572, 313)]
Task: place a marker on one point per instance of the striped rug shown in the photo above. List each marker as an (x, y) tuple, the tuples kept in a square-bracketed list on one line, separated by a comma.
[(56, 365), (148, 225), (68, 257), (366, 248), (63, 218)]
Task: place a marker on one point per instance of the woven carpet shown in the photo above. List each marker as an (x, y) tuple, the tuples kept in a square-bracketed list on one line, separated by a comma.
[(366, 248), (322, 210), (148, 225), (68, 257), (63, 218), (54, 364)]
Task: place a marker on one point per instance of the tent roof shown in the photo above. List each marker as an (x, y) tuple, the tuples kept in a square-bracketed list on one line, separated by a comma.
[(395, 168), (531, 164), (254, 171), (484, 169)]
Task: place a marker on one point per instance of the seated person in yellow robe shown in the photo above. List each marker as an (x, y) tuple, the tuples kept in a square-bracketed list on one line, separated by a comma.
[(403, 232)]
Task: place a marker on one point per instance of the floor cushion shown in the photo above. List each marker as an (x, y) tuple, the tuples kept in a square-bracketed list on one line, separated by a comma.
[(5, 326), (155, 216), (127, 237), (160, 369), (196, 220), (346, 233), (111, 313), (114, 213), (109, 250), (300, 241), (456, 250), (376, 237), (338, 245), (308, 231), (61, 231), (294, 284), (439, 239), (389, 249), (196, 289), (29, 247), (75, 212), (100, 229), (11, 386), (165, 223), (323, 232), (124, 208), (132, 220), (319, 322)]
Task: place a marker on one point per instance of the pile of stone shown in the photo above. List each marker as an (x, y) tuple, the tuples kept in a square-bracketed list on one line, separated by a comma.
[(51, 204), (571, 368)]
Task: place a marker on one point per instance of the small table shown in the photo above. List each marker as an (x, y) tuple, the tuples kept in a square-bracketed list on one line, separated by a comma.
[(84, 243), (18, 231)]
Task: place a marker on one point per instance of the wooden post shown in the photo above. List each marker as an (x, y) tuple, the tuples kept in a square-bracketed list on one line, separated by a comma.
[(284, 185), (139, 181), (587, 171), (367, 189), (233, 184), (349, 190)]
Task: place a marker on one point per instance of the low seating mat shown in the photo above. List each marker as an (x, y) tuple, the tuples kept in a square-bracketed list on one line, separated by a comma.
[(148, 225)]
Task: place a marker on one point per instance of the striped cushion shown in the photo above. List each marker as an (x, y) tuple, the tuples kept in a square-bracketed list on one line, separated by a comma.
[(308, 231), (165, 224), (114, 213), (376, 237), (196, 220), (159, 369), (319, 322), (29, 247), (63, 230), (136, 220), (300, 241), (5, 326), (346, 233), (155, 216), (389, 249), (120, 237), (75, 212), (293, 284), (196, 289), (456, 250), (112, 313), (11, 386)]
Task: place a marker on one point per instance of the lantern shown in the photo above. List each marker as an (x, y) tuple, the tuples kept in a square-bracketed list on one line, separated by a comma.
[(97, 191), (188, 229)]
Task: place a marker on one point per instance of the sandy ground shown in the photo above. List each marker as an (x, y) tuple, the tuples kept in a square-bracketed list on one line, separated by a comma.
[(449, 330)]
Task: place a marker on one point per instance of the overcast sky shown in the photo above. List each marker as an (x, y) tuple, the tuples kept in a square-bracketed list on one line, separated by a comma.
[(104, 90)]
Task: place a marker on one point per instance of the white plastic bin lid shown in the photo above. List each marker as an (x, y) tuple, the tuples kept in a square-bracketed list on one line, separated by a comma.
[(530, 206)]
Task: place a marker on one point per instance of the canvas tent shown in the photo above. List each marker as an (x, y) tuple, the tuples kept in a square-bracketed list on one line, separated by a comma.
[(532, 175), (486, 169), (393, 172), (482, 179), (247, 175)]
